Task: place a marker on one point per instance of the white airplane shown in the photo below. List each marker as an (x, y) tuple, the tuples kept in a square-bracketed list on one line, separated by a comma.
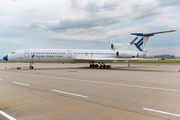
[(119, 52)]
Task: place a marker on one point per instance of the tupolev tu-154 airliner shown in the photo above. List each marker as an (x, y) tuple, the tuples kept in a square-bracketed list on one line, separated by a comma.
[(118, 52)]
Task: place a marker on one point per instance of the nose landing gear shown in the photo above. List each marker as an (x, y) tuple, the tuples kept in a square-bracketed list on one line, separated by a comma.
[(31, 67)]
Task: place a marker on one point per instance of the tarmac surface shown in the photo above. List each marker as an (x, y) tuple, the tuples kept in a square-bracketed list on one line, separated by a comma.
[(77, 92)]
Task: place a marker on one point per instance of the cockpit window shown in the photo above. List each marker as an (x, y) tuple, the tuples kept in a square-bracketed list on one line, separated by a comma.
[(13, 52)]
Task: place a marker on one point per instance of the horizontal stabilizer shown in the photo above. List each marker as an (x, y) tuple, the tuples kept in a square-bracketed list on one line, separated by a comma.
[(151, 34)]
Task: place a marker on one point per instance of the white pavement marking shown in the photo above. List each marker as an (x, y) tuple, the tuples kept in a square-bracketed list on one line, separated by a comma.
[(21, 83), (107, 83), (0, 79), (70, 93), (162, 112), (6, 115)]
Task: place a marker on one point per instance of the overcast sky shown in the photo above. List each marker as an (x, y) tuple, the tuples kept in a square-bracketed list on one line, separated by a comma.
[(88, 24)]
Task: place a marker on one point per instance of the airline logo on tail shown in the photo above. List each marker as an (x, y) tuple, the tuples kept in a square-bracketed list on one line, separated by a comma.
[(138, 44), (144, 39)]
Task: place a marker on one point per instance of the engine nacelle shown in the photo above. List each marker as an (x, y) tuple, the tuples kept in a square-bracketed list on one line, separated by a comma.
[(129, 54), (119, 46), (126, 54)]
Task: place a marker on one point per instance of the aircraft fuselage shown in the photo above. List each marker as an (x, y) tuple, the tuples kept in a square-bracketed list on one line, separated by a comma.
[(62, 55)]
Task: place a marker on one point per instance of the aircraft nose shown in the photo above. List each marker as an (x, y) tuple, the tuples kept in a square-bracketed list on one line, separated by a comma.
[(5, 58)]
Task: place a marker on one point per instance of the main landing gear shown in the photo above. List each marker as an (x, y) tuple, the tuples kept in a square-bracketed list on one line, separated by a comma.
[(102, 66), (93, 65), (31, 67), (105, 66)]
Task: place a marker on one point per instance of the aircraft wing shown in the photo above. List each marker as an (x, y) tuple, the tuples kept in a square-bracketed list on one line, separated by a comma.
[(81, 59)]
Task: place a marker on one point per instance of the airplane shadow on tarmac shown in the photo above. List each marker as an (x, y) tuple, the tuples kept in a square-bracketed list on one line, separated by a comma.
[(141, 69)]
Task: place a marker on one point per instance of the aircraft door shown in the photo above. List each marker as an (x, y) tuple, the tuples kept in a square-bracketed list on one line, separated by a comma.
[(69, 53), (26, 53)]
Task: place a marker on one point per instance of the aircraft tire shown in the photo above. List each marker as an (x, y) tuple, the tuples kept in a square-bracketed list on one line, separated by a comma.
[(105, 66), (96, 66), (31, 67), (109, 67)]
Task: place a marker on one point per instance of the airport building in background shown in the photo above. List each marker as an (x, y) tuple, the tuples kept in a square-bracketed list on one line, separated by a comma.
[(168, 56), (162, 57)]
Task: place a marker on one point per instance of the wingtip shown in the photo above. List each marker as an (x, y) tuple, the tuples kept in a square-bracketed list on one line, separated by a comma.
[(173, 30)]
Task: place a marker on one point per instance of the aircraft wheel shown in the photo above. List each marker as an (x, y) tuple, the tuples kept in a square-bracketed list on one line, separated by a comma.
[(109, 67), (96, 66), (31, 67), (93, 65), (105, 67)]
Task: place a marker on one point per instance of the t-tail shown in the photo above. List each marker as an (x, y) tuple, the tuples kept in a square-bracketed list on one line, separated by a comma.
[(140, 41)]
